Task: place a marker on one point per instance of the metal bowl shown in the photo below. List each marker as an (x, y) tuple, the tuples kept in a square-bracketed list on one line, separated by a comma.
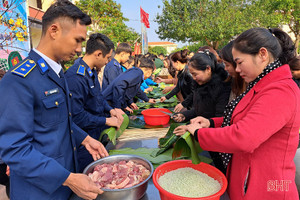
[(133, 193)]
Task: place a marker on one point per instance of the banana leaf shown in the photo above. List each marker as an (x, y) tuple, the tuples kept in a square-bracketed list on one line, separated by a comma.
[(184, 146), (187, 146), (136, 122), (166, 142), (157, 71), (181, 148), (113, 133), (191, 143)]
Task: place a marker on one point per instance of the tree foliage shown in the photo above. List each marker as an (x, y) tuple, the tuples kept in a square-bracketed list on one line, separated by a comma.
[(212, 21), (108, 19), (158, 50), (288, 11)]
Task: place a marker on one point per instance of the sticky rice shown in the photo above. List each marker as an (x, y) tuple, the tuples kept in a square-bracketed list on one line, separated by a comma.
[(188, 182)]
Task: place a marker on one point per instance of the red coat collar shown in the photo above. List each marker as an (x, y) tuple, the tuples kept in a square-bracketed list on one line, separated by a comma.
[(278, 74)]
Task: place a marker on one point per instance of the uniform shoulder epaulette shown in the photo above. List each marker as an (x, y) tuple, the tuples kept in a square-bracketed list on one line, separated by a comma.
[(81, 70), (116, 63), (24, 68)]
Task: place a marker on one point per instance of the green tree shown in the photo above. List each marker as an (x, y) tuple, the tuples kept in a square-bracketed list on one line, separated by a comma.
[(288, 11), (108, 19), (157, 50), (212, 21)]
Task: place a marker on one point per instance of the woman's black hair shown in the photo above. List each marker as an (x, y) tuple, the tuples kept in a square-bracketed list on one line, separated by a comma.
[(202, 59), (171, 69), (276, 41), (181, 56), (237, 84), (226, 54), (295, 63)]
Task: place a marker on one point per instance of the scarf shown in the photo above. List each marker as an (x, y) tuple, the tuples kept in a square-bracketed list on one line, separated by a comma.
[(226, 157)]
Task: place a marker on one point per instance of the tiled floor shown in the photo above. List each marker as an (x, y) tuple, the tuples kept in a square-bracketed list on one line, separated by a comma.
[(3, 193)]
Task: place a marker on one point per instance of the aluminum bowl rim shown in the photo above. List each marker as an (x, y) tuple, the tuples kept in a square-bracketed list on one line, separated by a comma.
[(123, 155)]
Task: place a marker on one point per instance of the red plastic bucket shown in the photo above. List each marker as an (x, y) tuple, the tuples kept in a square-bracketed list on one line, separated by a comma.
[(154, 117), (203, 167)]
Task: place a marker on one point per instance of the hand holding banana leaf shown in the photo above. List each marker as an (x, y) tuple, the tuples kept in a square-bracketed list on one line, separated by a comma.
[(190, 128)]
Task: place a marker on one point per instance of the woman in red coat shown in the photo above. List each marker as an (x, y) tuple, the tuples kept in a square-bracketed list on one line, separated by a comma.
[(260, 129)]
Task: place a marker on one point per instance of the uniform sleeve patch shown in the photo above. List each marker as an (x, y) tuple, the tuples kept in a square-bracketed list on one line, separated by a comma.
[(24, 68), (81, 70)]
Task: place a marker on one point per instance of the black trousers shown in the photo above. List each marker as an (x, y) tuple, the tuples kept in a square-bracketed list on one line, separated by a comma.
[(4, 179)]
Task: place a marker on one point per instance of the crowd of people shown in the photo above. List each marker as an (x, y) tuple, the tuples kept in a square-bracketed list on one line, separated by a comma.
[(241, 104)]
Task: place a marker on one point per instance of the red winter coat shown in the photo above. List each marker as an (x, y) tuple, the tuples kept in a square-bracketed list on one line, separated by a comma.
[(263, 137)]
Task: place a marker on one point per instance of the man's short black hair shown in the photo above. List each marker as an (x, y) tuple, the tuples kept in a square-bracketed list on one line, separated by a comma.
[(64, 9), (124, 47), (98, 41), (147, 63)]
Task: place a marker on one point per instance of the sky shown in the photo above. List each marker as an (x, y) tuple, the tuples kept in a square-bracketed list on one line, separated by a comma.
[(131, 11)]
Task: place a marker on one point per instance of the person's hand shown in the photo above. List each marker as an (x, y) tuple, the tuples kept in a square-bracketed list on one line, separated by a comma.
[(158, 80), (178, 117), (202, 121), (180, 130), (128, 109), (167, 89), (151, 101), (94, 147), (162, 99), (7, 171), (83, 186), (193, 127), (149, 89), (117, 114), (113, 121), (120, 111), (178, 108), (134, 106)]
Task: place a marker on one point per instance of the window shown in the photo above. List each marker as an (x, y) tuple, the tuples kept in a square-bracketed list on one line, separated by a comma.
[(39, 4)]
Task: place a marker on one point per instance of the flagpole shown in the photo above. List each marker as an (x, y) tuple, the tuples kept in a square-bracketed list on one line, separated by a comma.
[(142, 33)]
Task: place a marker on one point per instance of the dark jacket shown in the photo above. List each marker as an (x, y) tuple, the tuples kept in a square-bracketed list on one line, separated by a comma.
[(38, 137), (111, 71), (297, 81), (184, 84), (209, 100), (121, 91)]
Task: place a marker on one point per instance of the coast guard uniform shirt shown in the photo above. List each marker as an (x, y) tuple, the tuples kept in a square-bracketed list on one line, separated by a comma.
[(89, 108), (38, 138), (112, 70), (126, 86)]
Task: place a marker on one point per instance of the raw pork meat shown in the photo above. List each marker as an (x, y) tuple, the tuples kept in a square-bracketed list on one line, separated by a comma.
[(122, 174)]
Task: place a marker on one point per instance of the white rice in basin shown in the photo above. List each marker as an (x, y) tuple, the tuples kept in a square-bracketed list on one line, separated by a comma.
[(188, 182)]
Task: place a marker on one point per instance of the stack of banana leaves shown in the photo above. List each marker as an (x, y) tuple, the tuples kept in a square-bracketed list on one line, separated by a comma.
[(171, 147), (156, 94), (113, 133)]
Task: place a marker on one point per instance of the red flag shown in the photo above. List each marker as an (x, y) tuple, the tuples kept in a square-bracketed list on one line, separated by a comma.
[(145, 18)]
